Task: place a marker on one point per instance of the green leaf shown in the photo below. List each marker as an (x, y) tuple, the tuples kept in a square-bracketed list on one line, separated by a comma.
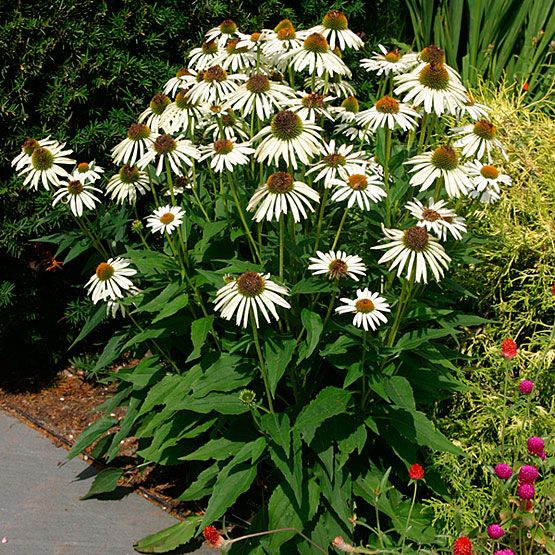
[(150, 263), (339, 347), (415, 338), (104, 482), (92, 433), (111, 352), (203, 485), (311, 285), (170, 538), (400, 392), (158, 303), (329, 402), (199, 332), (278, 355), (125, 427), (172, 307), (281, 514), (218, 449), (415, 427), (314, 326), (97, 317), (233, 480), (143, 373)]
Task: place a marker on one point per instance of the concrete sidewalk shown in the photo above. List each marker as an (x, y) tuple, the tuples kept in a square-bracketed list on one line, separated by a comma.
[(40, 510)]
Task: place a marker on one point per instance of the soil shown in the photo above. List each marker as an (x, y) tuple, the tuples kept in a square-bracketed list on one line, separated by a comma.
[(64, 407)]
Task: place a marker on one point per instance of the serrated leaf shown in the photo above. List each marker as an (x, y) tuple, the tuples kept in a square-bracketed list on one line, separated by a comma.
[(203, 485), (91, 434), (96, 318), (314, 326), (415, 338), (170, 538), (329, 402), (311, 285), (217, 449), (278, 355), (104, 482), (200, 329), (169, 309), (400, 392)]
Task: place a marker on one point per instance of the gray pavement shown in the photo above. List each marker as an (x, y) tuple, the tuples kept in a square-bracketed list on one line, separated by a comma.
[(40, 510)]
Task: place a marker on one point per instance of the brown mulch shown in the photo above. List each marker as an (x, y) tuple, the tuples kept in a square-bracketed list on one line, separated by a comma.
[(65, 407)]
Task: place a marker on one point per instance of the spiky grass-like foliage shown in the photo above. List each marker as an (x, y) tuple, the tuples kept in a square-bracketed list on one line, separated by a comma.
[(515, 286)]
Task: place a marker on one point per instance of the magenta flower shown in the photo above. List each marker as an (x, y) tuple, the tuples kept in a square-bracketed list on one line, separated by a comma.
[(536, 446), (504, 552), (527, 474), (503, 471), (526, 491), (495, 531), (526, 387)]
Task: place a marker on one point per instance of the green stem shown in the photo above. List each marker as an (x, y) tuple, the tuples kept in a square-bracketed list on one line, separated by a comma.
[(388, 134), (97, 244), (341, 223), (362, 361), (423, 126), (153, 190), (330, 307), (508, 369), (243, 220), (170, 180), (404, 300), (281, 245), (262, 364), (408, 517), (320, 217)]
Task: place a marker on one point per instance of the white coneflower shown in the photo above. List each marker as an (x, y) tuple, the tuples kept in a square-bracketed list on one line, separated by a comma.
[(486, 181), (117, 308), (254, 41), (387, 62), (205, 56), (281, 42), (337, 162), (227, 121), (127, 184), (437, 218), (472, 109), (335, 28), (237, 58), (415, 249), (216, 85), (43, 164), (260, 95), (310, 106), (337, 265), (182, 114), (184, 78), (154, 112), (179, 152), (249, 294), (87, 172), (281, 194), (134, 147), (433, 88), (335, 86), (289, 137), (27, 149), (360, 187), (369, 309), (225, 31), (441, 163), (388, 112), (165, 219), (77, 195), (479, 139), (225, 154), (111, 280), (316, 57)]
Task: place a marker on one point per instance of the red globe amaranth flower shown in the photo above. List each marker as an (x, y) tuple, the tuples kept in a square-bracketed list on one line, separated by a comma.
[(527, 474), (536, 446), (416, 472), (525, 87), (495, 531), (508, 348), (212, 536), (462, 546), (526, 387), (553, 288), (503, 471), (526, 491)]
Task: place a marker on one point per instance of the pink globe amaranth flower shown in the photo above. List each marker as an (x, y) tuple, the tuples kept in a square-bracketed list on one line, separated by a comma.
[(527, 474), (526, 387), (339, 543), (504, 552), (541, 455), (526, 491), (416, 472), (495, 531), (508, 348), (536, 446), (503, 471), (462, 546)]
